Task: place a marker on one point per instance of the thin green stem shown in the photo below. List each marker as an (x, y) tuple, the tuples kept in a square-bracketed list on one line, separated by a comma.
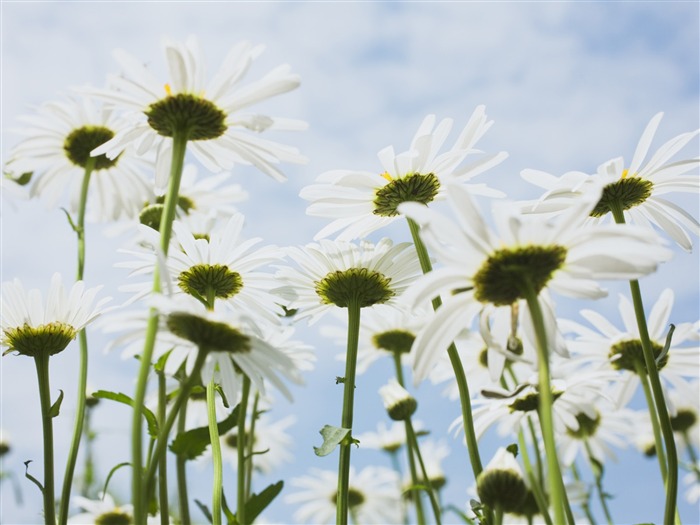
[(585, 505), (598, 475), (216, 456), (534, 482), (166, 224), (83, 353), (416, 494), (348, 407), (691, 449), (455, 361), (498, 513), (250, 444), (394, 458), (399, 368), (163, 461), (654, 417), (88, 477), (545, 404), (181, 470), (657, 391), (241, 450), (42, 373), (411, 435)]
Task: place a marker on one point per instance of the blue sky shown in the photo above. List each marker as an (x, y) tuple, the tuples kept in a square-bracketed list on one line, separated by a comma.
[(569, 85)]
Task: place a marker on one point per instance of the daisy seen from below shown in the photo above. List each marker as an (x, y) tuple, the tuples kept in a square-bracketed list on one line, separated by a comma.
[(621, 349), (33, 328), (56, 155), (361, 202), (528, 251), (637, 191), (105, 511), (211, 116), (374, 496)]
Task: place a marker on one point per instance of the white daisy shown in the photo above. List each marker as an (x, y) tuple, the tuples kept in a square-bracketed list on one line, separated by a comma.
[(56, 150), (621, 350), (373, 496), (29, 327), (234, 344), (101, 510), (691, 481), (211, 114), (639, 189), (332, 272), (482, 268), (360, 202), (388, 439)]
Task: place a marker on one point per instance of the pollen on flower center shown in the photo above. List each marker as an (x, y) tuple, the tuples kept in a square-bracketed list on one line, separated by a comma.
[(50, 338), (81, 141), (354, 284), (208, 335), (414, 187), (625, 193), (219, 280), (503, 277), (198, 117), (587, 426), (625, 355), (396, 341), (114, 517)]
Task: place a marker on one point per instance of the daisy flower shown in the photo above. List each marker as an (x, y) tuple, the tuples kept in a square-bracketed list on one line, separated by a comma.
[(480, 267), (373, 496), (211, 115), (234, 344), (621, 350), (220, 266), (332, 273), (360, 202), (32, 328), (102, 510), (501, 485), (638, 189), (388, 439), (56, 152)]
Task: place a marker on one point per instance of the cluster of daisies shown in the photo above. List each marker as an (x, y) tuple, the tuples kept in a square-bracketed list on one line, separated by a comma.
[(473, 296)]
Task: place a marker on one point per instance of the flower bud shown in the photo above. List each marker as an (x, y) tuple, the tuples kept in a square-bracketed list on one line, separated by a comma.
[(501, 483), (398, 402)]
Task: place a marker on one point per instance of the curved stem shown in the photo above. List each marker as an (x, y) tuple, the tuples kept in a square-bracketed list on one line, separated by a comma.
[(657, 390), (166, 224), (42, 373), (653, 416), (411, 435), (181, 470), (598, 475), (241, 450), (455, 361), (83, 352), (347, 417), (163, 461), (216, 456)]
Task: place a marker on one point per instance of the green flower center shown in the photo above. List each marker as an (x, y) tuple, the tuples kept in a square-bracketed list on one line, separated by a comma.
[(484, 357), (50, 338), (152, 213), (355, 284), (504, 488), (504, 276), (4, 448), (396, 341), (531, 402), (626, 193), (208, 335), (683, 420), (587, 426), (631, 354), (80, 142), (414, 187), (355, 497), (206, 281), (114, 517), (199, 118), (231, 440)]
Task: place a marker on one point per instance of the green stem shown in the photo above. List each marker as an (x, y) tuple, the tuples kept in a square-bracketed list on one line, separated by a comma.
[(347, 417), (653, 416), (181, 469), (89, 469), (163, 461), (250, 444), (399, 368), (598, 475), (534, 482), (415, 481), (411, 435), (545, 404), (455, 361), (394, 458), (498, 512), (691, 450), (216, 456), (83, 352), (166, 224), (657, 390), (42, 373), (585, 505), (241, 450)]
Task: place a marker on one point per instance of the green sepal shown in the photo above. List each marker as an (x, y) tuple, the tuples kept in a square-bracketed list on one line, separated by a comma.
[(126, 400), (159, 365), (332, 437), (193, 443), (56, 407), (32, 478), (22, 179), (111, 473)]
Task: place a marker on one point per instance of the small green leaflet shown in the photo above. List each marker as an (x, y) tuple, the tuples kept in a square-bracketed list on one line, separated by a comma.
[(194, 442)]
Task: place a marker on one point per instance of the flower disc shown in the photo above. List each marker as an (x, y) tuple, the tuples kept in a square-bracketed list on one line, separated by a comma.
[(196, 116)]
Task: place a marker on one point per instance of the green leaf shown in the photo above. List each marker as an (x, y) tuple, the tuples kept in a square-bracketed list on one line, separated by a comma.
[(667, 345), (230, 516), (159, 365), (332, 437), (56, 407), (205, 510), (259, 502), (111, 473), (194, 442), (126, 400), (32, 478)]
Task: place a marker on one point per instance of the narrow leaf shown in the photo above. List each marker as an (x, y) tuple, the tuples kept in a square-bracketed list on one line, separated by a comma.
[(230, 516), (194, 442), (56, 407), (259, 502), (126, 400), (332, 437), (32, 478), (205, 510)]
